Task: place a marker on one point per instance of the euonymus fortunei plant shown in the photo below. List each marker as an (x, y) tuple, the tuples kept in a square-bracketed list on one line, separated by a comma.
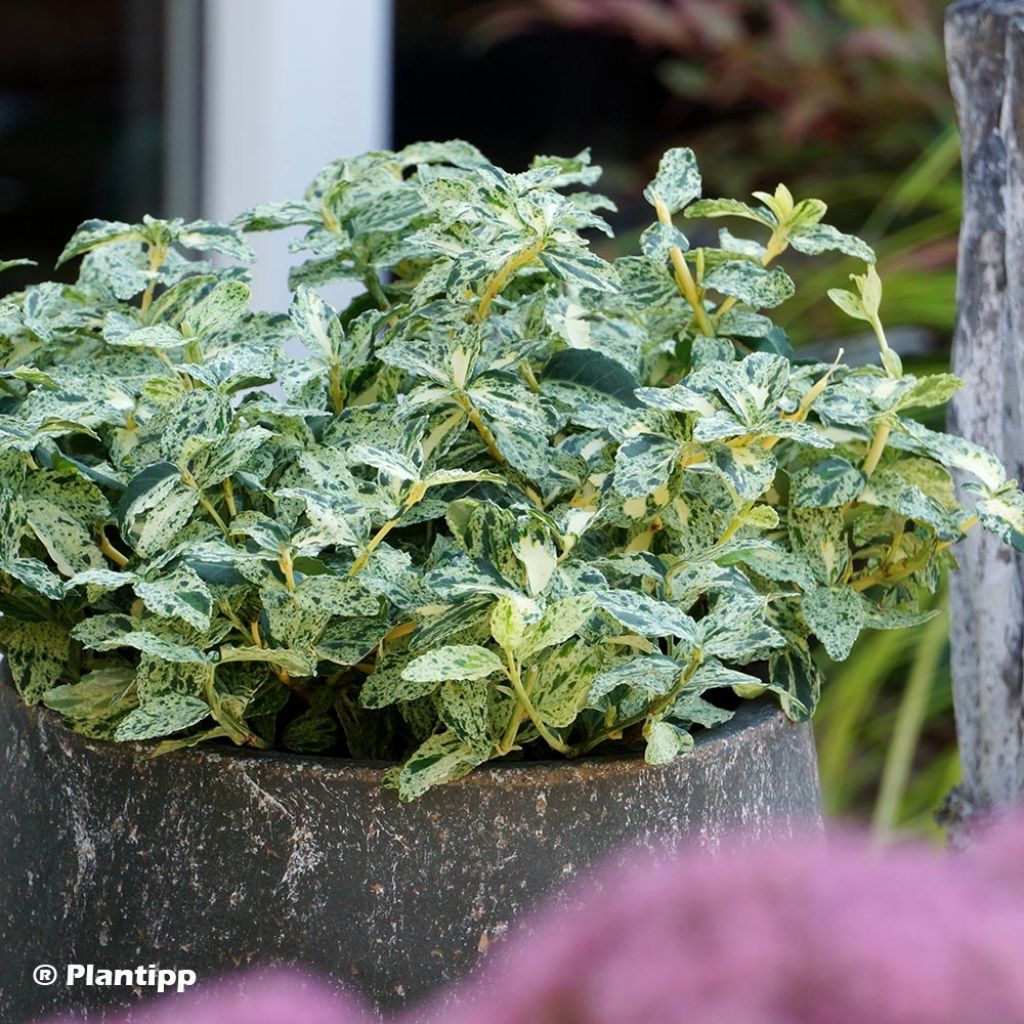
[(510, 498)]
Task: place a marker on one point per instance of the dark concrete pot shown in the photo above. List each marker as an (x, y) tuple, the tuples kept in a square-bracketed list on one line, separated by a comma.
[(213, 858)]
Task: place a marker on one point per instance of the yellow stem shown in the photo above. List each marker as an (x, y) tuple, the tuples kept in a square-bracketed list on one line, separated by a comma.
[(531, 379), (501, 278), (157, 255), (684, 279), (334, 388), (229, 499), (737, 522), (110, 551), (287, 568), (360, 563), (481, 428), (527, 705), (875, 451)]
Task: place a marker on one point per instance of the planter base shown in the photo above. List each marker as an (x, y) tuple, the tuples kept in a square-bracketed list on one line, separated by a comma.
[(214, 859)]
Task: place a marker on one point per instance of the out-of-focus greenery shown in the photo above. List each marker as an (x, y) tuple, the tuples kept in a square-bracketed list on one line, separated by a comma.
[(846, 100)]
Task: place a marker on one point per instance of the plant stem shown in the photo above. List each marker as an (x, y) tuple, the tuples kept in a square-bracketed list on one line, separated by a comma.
[(684, 279), (110, 551), (157, 255), (481, 428), (735, 524), (501, 278), (334, 390), (528, 374), (908, 568), (360, 563), (877, 448), (508, 741), (287, 569), (376, 289), (656, 707), (214, 514), (527, 705), (190, 481), (229, 498)]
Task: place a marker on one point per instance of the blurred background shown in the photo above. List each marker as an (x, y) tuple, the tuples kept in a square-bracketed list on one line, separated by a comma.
[(194, 108)]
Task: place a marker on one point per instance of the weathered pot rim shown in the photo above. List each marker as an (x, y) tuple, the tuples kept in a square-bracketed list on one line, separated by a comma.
[(754, 721)]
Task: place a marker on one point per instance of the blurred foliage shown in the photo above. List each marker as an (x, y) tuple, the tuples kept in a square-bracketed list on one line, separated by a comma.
[(846, 100)]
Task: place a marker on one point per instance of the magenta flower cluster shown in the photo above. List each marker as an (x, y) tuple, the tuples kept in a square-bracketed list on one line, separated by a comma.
[(800, 931)]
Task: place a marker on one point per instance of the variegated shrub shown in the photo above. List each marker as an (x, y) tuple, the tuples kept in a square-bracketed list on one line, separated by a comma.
[(511, 498)]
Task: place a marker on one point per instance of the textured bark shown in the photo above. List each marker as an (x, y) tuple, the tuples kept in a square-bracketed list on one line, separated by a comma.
[(985, 53)]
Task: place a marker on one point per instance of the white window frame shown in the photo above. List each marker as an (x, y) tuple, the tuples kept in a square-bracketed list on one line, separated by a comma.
[(288, 86)]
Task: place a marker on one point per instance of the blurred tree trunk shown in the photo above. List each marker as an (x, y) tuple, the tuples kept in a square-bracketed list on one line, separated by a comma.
[(985, 54)]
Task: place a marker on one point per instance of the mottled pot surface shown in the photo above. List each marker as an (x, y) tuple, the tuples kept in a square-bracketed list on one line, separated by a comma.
[(212, 858)]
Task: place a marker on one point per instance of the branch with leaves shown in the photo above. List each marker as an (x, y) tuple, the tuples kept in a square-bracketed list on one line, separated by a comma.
[(513, 498)]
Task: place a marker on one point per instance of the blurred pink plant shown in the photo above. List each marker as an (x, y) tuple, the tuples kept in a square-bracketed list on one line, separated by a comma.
[(801, 932), (795, 932)]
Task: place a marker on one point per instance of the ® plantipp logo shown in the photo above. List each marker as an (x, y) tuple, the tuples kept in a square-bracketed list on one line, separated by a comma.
[(160, 979)]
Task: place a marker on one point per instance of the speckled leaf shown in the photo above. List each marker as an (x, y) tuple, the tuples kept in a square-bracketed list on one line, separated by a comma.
[(577, 265), (110, 632), (221, 308), (387, 686), (210, 236), (333, 520), (312, 732), (162, 716), (818, 238), (646, 615), (564, 679), (677, 182), (665, 741), (1003, 515), (91, 233), (738, 629), (836, 615), (677, 398), (644, 463), (37, 653), (730, 208), (62, 511), (832, 482), (459, 661), (750, 469), (560, 621), (464, 709), (441, 758), (316, 324), (956, 453), (350, 641), (178, 594), (652, 675), (693, 709), (750, 283), (295, 662), (820, 536), (97, 702), (508, 620), (534, 548), (659, 239)]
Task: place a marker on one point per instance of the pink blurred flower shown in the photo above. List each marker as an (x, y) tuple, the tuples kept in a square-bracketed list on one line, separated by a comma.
[(799, 932)]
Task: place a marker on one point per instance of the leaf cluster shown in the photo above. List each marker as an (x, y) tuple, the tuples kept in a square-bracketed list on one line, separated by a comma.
[(511, 498)]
